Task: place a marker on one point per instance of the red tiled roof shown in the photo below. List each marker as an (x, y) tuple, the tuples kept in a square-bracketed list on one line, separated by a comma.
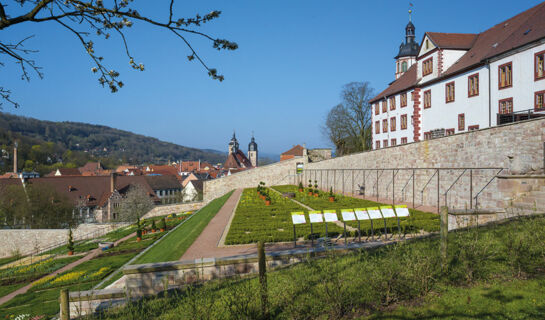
[(405, 82), (92, 190), (237, 160), (503, 37), (452, 40), (65, 172), (295, 151)]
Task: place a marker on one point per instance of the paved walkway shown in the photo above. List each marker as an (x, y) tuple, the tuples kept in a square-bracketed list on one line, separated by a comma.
[(208, 244), (93, 254)]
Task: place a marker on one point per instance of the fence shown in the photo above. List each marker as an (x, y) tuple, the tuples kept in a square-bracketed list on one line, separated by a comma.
[(452, 187)]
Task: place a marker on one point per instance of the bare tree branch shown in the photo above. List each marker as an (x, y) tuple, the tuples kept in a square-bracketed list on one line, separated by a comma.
[(96, 18)]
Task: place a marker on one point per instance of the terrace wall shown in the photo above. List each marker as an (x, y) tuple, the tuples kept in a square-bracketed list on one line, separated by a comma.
[(167, 209), (274, 174), (518, 148)]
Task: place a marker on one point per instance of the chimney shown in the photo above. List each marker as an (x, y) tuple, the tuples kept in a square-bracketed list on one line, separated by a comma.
[(113, 178), (199, 164), (15, 158)]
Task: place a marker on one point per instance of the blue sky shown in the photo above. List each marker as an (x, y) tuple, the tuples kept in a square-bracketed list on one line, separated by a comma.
[(293, 59)]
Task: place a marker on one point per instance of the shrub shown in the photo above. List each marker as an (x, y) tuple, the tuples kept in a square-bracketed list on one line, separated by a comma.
[(70, 245), (162, 224), (153, 226)]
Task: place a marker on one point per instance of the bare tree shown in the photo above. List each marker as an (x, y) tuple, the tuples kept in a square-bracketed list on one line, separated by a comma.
[(135, 204), (96, 19), (348, 124)]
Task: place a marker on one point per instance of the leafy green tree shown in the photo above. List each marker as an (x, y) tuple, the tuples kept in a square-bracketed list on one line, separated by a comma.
[(48, 208), (14, 206)]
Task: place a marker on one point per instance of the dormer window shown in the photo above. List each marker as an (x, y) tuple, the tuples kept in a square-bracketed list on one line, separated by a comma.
[(427, 67)]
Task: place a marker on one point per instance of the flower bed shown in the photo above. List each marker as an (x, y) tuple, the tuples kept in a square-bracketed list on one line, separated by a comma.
[(418, 220), (255, 221)]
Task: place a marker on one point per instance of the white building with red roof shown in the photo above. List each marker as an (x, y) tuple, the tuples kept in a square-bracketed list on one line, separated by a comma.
[(452, 83)]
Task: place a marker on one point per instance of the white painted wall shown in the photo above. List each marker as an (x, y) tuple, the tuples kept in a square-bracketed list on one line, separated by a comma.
[(524, 86), (444, 115), (398, 134), (450, 57)]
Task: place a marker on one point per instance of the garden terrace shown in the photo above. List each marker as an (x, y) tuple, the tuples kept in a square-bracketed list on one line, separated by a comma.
[(254, 221), (495, 272), (418, 220), (42, 297)]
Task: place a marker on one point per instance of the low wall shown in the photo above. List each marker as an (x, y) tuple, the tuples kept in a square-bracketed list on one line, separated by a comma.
[(154, 278), (27, 241), (274, 174), (167, 209), (518, 148), (461, 220)]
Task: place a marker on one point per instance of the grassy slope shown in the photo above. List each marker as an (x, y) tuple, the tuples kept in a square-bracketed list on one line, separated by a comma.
[(518, 299), (403, 281), (173, 246)]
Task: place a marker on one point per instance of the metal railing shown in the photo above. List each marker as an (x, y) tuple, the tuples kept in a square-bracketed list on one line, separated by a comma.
[(503, 118), (449, 178)]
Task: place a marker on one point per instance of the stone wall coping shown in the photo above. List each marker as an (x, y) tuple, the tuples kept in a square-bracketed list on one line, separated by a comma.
[(472, 212), (89, 295), (521, 176), (250, 258)]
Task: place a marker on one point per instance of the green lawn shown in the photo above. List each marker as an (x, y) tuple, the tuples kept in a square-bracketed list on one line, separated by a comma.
[(496, 272), (174, 245)]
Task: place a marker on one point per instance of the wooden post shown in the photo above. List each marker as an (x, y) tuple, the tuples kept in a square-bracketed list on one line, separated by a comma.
[(345, 242), (444, 235), (65, 305), (262, 277)]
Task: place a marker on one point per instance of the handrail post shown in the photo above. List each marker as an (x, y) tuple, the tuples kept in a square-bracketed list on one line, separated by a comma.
[(444, 235), (377, 184), (393, 187), (438, 199), (413, 188), (471, 189)]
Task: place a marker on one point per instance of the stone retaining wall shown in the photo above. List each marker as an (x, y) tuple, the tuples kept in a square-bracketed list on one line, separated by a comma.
[(167, 209), (273, 174), (27, 241), (518, 148)]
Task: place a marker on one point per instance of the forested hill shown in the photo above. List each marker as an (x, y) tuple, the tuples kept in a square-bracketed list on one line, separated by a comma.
[(88, 141)]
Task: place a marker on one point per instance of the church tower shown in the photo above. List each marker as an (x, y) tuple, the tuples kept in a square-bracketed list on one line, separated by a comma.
[(252, 152), (233, 144), (408, 50)]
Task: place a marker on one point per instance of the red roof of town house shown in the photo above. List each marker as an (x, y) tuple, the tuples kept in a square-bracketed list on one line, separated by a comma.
[(189, 166), (522, 29), (92, 190), (7, 182), (64, 172), (237, 160), (296, 151)]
